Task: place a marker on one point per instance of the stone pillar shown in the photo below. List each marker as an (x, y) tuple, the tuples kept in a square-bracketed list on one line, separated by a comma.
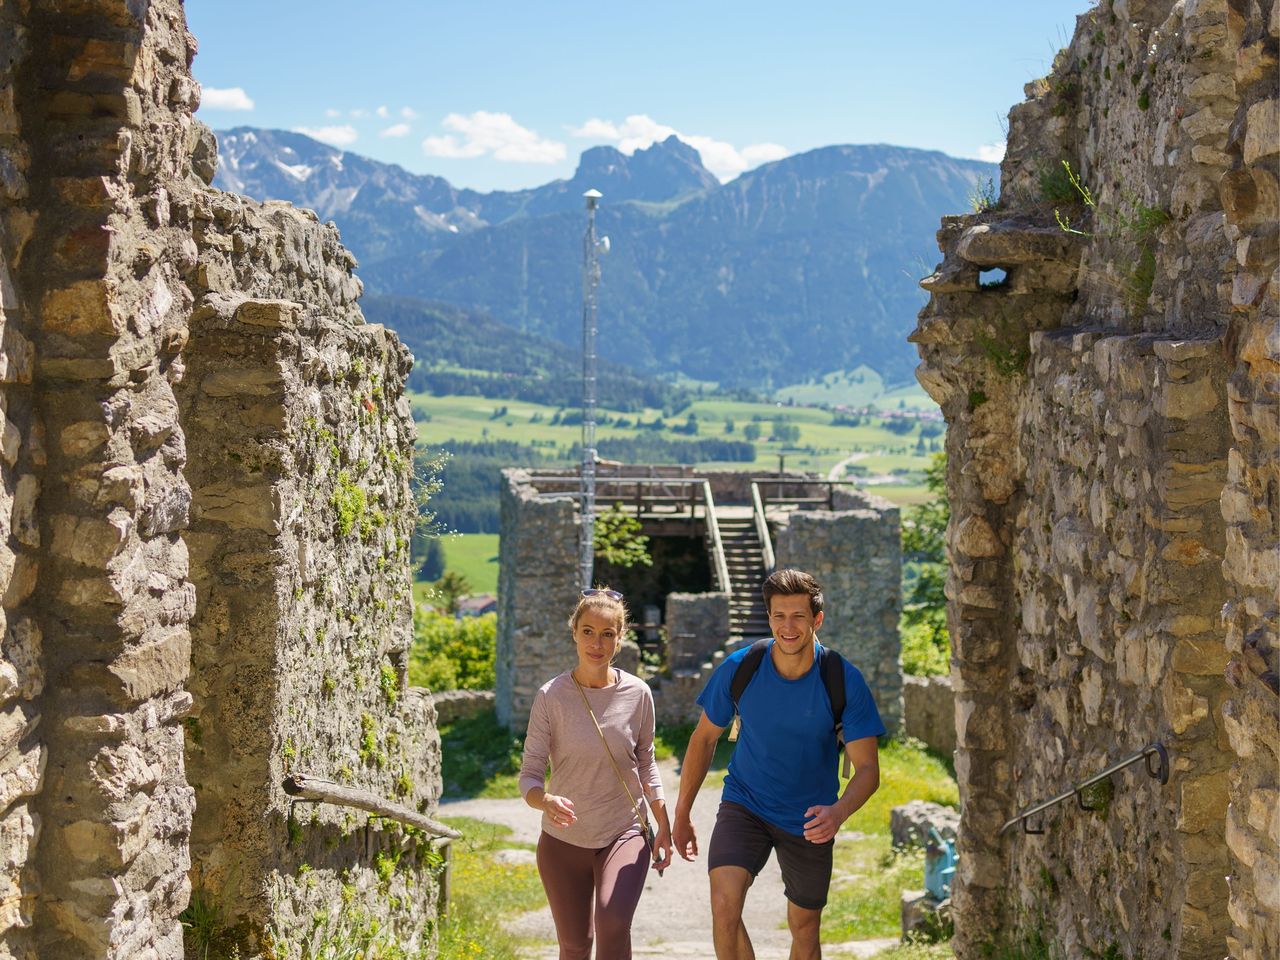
[(537, 589), (300, 457), (108, 100), (22, 751), (1250, 192), (856, 555), (974, 342), (697, 626)]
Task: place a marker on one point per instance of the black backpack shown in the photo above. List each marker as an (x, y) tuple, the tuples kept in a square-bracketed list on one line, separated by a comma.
[(830, 665)]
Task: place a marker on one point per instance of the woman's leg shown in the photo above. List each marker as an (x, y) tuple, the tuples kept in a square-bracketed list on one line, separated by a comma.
[(568, 876), (621, 869)]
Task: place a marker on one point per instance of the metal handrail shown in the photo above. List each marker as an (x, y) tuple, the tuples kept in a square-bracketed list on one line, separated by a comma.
[(1159, 772), (762, 528), (717, 545)]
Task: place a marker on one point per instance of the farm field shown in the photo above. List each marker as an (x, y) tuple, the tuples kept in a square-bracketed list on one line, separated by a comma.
[(891, 463)]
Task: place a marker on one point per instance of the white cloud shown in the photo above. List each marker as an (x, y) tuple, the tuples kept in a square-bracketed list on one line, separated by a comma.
[(759, 153), (357, 114), (383, 112), (639, 131), (335, 136), (409, 113), (596, 129), (396, 130), (333, 114), (225, 98), (491, 134), (992, 152)]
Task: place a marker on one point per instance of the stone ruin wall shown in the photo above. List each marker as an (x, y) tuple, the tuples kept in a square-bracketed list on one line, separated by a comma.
[(537, 588), (135, 301), (1112, 458), (855, 551), (301, 519)]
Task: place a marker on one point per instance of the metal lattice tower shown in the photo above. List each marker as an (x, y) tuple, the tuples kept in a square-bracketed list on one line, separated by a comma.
[(590, 304)]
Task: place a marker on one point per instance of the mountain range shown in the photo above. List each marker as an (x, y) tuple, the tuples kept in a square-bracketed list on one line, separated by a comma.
[(794, 269)]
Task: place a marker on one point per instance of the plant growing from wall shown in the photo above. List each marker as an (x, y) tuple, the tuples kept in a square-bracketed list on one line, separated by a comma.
[(1132, 222), (983, 195)]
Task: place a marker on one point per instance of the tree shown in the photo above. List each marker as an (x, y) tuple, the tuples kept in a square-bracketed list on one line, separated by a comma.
[(618, 540), (728, 426), (432, 566), (450, 588), (751, 432)]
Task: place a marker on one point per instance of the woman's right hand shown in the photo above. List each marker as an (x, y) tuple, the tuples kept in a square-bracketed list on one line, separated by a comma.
[(559, 809)]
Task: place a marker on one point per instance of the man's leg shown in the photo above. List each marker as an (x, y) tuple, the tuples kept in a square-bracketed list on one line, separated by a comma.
[(806, 877), (804, 925), (729, 886), (739, 847)]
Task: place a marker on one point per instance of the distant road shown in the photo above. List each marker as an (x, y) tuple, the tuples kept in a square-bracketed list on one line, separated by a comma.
[(836, 472)]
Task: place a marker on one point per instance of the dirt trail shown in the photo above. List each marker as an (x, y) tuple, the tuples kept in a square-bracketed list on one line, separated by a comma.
[(674, 918)]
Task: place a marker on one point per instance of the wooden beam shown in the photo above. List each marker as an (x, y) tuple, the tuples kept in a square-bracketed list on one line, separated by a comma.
[(304, 787)]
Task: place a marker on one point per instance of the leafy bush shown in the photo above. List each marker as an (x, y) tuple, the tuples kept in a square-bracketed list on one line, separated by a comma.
[(451, 654), (926, 645)]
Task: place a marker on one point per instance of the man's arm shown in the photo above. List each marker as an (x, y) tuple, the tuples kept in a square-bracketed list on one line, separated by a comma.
[(865, 756), (693, 770)]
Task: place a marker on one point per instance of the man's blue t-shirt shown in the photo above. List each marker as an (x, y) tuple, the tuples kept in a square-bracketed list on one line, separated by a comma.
[(785, 760)]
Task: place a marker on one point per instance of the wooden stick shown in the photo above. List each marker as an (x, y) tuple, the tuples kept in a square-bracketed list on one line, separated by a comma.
[(305, 787)]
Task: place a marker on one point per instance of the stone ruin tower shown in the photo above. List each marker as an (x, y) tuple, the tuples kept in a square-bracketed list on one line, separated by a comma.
[(1113, 476), (205, 514)]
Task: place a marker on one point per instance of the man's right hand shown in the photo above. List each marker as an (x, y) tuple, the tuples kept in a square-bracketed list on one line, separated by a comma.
[(685, 837)]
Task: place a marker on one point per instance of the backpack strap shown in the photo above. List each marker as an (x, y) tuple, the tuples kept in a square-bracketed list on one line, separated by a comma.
[(742, 675), (832, 668)]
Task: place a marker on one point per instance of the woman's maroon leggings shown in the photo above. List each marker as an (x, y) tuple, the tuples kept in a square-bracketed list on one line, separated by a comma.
[(608, 879)]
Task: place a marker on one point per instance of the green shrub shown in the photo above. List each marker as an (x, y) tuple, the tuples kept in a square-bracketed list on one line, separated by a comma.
[(926, 645), (481, 758), (451, 654)]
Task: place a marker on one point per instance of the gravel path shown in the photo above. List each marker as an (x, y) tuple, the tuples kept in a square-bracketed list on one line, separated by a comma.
[(674, 918)]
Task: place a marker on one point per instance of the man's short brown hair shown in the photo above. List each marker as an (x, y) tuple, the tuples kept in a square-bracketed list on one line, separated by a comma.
[(790, 583)]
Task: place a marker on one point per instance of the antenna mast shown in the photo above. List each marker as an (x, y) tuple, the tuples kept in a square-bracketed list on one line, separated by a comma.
[(590, 305)]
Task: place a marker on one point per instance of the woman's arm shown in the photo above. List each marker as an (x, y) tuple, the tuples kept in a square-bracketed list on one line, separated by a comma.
[(651, 782), (533, 766)]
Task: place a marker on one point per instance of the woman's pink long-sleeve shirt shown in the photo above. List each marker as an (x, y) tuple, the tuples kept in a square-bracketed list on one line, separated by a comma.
[(561, 731)]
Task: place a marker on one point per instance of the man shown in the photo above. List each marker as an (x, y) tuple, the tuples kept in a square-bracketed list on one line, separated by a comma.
[(781, 789)]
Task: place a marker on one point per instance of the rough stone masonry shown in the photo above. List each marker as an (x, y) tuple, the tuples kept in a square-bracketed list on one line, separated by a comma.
[(204, 523), (1113, 472)]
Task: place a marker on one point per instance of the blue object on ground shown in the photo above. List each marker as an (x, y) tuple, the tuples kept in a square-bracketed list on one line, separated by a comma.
[(939, 865)]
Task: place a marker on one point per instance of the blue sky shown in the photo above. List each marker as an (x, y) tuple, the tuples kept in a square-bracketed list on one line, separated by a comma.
[(502, 95)]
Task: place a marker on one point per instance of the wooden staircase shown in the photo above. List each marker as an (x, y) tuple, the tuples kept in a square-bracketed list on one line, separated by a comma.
[(744, 555)]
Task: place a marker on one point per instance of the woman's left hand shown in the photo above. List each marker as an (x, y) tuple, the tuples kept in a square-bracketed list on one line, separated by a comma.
[(664, 847)]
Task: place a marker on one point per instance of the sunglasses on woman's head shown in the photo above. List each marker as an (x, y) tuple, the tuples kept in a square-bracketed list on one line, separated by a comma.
[(595, 591)]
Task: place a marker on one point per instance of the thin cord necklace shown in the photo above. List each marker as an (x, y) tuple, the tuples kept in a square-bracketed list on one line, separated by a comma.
[(608, 679)]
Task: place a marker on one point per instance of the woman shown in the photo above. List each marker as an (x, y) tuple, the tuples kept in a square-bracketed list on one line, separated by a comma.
[(591, 853)]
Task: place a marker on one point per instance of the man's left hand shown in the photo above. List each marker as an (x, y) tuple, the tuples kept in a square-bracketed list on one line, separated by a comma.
[(821, 824)]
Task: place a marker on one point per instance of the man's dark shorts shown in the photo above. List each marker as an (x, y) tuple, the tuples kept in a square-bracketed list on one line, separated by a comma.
[(742, 839)]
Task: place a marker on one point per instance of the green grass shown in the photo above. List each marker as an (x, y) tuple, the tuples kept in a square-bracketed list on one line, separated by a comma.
[(849, 388), (481, 758), (820, 447), (917, 951), (485, 892), (475, 556), (869, 876)]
